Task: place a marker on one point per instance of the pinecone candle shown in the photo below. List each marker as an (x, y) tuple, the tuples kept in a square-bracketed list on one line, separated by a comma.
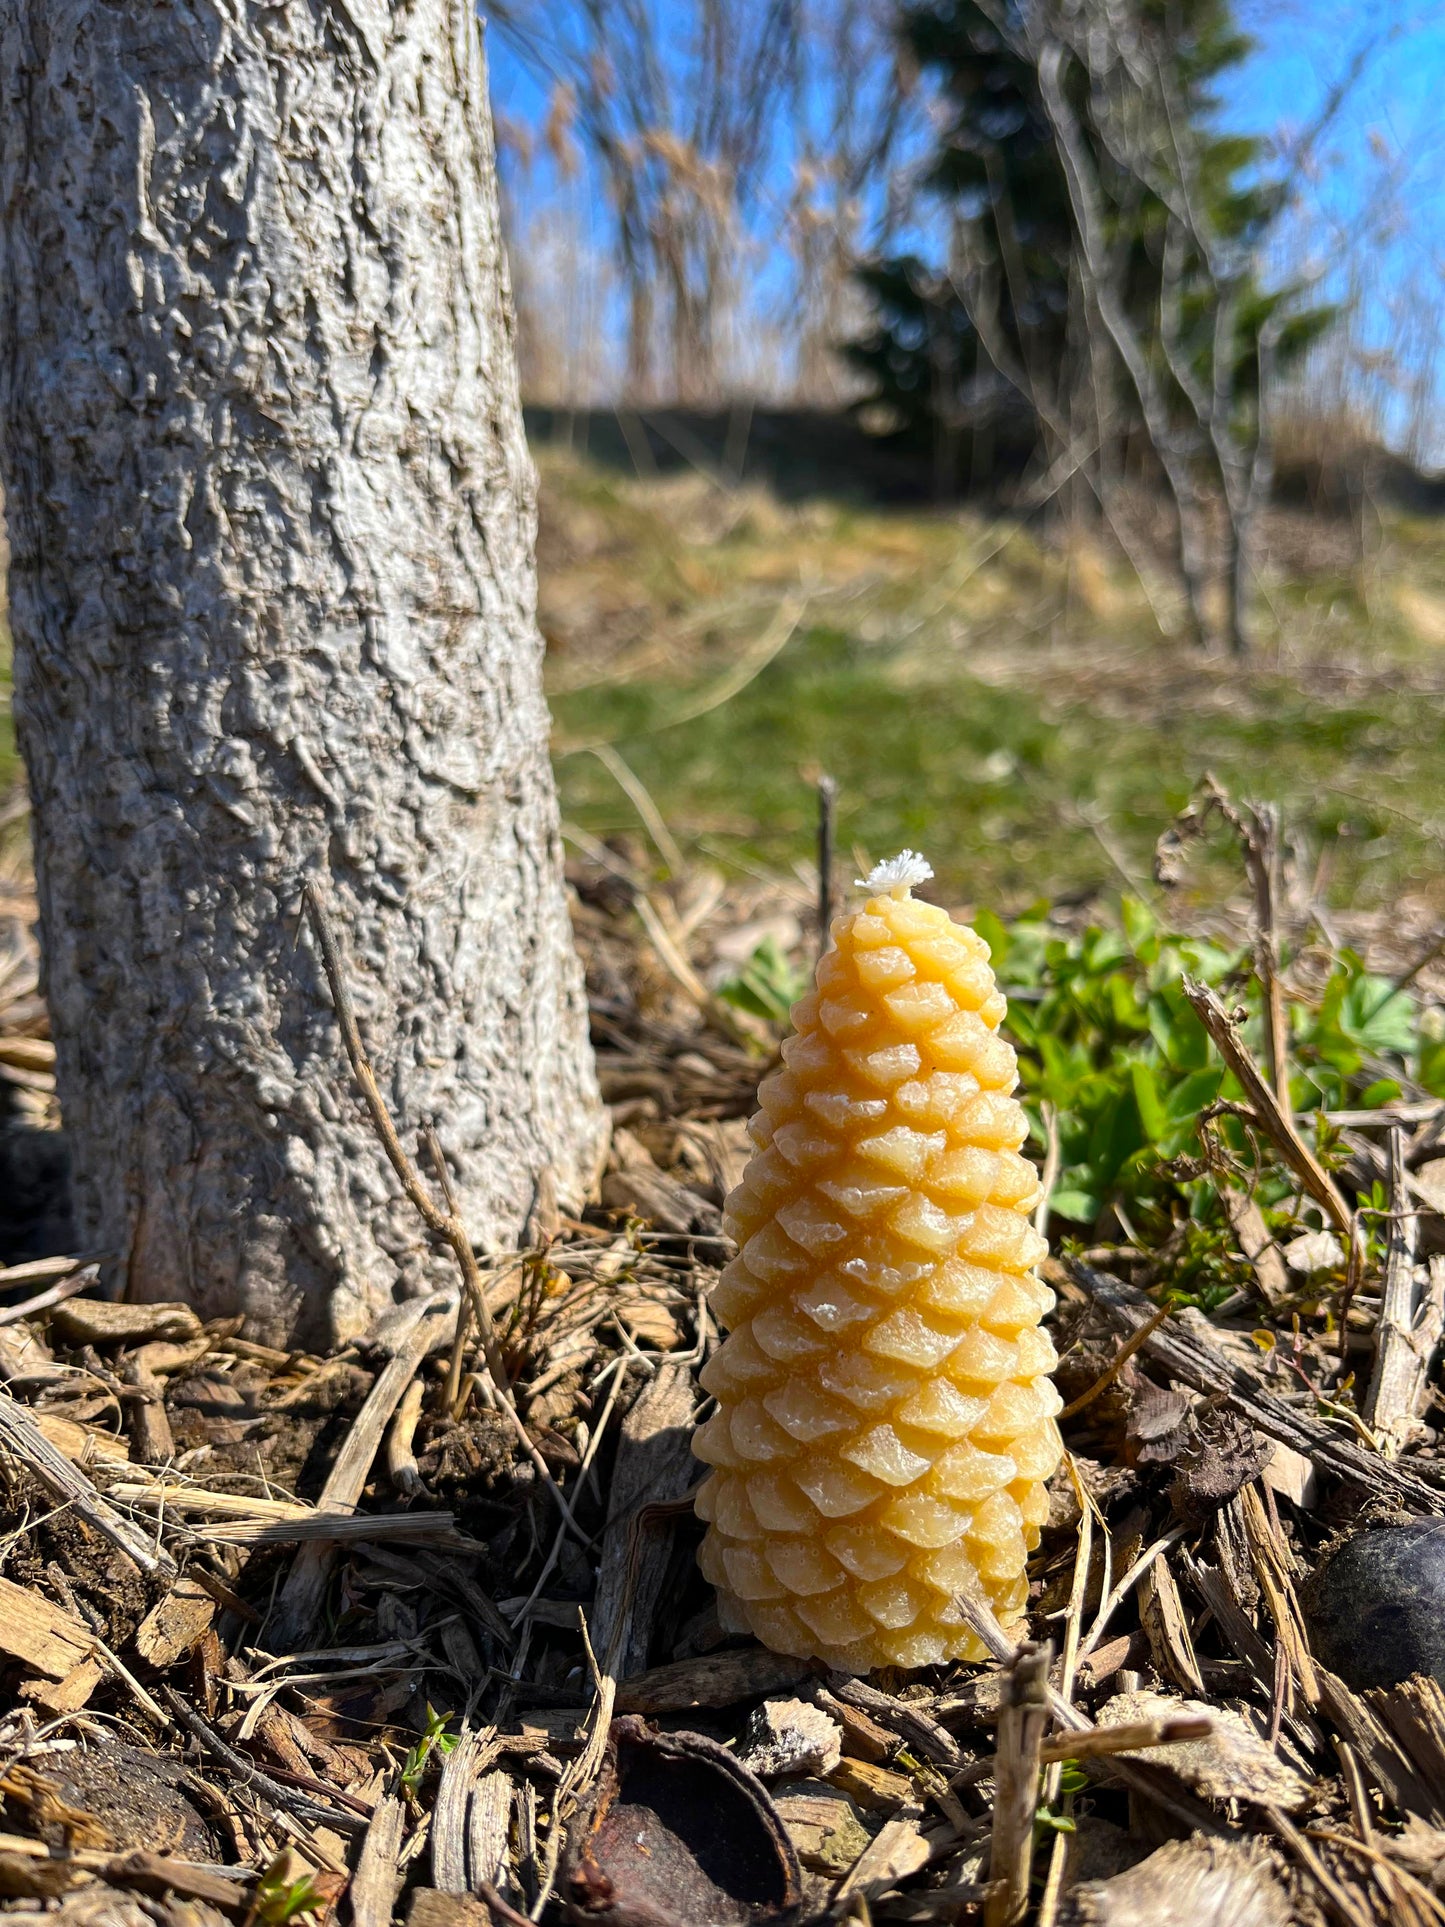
[(885, 1416)]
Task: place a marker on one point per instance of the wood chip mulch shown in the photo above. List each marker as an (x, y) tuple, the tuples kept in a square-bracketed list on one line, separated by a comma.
[(289, 1636)]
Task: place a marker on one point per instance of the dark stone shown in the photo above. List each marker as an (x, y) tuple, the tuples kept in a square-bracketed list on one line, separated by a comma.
[(1376, 1608)]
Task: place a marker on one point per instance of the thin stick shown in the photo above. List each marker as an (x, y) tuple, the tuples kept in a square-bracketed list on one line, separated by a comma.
[(748, 666), (509, 1411), (1021, 1723), (619, 1370), (443, 1177), (1257, 827), (1277, 1124), (1074, 1617), (1201, 1364), (401, 1465), (1126, 1585), (445, 1226), (76, 1281), (1408, 1333), (827, 820), (1341, 1902), (1355, 1788), (123, 1672), (1049, 1176), (251, 1775), (638, 795), (1126, 1739), (501, 1910), (1408, 1881), (1058, 1867), (980, 1615), (717, 1013), (1073, 1627), (1403, 982), (299, 1600), (1126, 1352), (21, 1435)]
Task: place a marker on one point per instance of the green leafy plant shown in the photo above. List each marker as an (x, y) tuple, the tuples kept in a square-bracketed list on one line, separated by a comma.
[(1060, 1818), (768, 985), (1111, 1051), (277, 1899), (435, 1739)]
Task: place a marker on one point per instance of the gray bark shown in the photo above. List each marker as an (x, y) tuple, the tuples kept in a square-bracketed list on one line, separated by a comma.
[(271, 517)]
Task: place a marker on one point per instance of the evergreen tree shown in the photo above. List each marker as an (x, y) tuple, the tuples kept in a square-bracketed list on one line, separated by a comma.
[(1102, 237)]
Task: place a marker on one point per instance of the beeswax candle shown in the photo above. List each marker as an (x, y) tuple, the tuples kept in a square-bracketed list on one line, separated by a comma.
[(885, 1418)]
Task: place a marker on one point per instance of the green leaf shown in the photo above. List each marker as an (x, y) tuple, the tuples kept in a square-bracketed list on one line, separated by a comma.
[(1374, 1097), (1431, 1073), (278, 1900), (1140, 923), (995, 934), (1192, 1094), (768, 985), (1152, 1112), (1080, 1207)]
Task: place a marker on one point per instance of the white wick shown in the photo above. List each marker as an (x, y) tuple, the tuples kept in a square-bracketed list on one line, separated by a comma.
[(898, 874)]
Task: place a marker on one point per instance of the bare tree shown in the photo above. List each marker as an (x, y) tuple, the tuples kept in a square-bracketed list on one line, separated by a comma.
[(854, 105), (679, 108), (1173, 338), (1102, 270), (272, 591), (1147, 128)]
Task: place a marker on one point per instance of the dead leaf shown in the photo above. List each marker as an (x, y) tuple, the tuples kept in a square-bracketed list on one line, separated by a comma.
[(649, 1323), (1222, 1454), (1157, 1422), (1209, 1883), (1314, 1251), (677, 1831)]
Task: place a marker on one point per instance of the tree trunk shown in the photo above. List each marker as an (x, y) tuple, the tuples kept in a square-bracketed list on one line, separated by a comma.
[(272, 592)]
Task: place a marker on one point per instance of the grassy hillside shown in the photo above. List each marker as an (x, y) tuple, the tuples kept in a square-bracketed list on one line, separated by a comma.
[(1004, 702)]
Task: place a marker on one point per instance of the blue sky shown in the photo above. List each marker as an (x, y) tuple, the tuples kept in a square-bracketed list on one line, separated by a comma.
[(1373, 212)]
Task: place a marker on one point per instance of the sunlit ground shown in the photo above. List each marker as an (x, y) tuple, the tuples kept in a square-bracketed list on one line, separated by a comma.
[(1002, 701)]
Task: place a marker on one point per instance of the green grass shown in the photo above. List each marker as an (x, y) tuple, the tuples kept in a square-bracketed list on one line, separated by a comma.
[(1032, 741), (1009, 798)]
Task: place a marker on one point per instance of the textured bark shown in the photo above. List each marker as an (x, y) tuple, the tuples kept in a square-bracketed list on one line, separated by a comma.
[(271, 518)]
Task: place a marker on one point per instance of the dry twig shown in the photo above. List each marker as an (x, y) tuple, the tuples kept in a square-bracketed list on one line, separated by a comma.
[(1018, 1753), (300, 1598), (1412, 1314), (1273, 1119), (1185, 1355), (20, 1434)]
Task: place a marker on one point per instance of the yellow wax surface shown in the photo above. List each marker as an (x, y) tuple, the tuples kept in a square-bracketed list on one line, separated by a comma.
[(885, 1417)]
